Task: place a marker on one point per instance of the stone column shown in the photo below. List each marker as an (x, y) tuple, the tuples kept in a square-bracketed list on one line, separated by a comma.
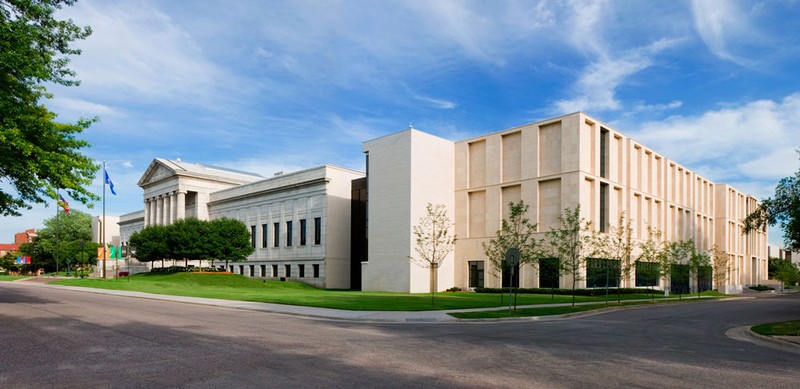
[(173, 199), (180, 212), (159, 210), (167, 209), (146, 212)]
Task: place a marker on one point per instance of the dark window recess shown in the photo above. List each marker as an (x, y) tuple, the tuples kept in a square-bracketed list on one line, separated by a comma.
[(264, 236), (646, 274), (507, 281), (253, 235), (288, 270), (317, 230), (289, 233), (603, 207), (263, 270), (679, 279), (315, 268), (241, 269), (602, 273), (252, 270), (302, 232), (603, 152), (548, 273), (276, 234), (275, 271), (476, 274), (301, 270)]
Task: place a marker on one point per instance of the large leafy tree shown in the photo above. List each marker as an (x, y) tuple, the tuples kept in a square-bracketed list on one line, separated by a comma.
[(151, 244), (783, 209), (434, 241), (65, 238), (618, 245), (188, 240), (229, 240), (37, 154)]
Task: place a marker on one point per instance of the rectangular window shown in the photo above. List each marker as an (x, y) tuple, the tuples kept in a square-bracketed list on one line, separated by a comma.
[(315, 268), (317, 230), (288, 270), (679, 278), (301, 269), (275, 271), (241, 269), (264, 236), (602, 273), (603, 152), (232, 269), (263, 270), (476, 274), (603, 207), (646, 274), (276, 234), (302, 232), (252, 270), (289, 233), (253, 235), (548, 273)]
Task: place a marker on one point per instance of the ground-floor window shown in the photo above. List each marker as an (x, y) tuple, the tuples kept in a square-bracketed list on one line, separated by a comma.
[(602, 273), (263, 270), (288, 270), (548, 273), (241, 269), (704, 278), (275, 271), (252, 270), (646, 274), (476, 274), (507, 281), (679, 279), (315, 267), (301, 270)]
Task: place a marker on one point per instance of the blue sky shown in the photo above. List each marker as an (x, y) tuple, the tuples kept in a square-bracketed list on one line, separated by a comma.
[(265, 86)]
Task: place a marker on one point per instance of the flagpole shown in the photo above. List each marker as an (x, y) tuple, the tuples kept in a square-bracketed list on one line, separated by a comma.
[(103, 226), (57, 228)]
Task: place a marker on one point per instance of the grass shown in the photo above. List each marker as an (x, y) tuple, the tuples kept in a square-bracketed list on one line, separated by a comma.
[(787, 328), (237, 287), (11, 278)]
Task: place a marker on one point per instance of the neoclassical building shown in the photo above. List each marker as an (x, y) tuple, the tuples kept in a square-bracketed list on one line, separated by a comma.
[(362, 224)]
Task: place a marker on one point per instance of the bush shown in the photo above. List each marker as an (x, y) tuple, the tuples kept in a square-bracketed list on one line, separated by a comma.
[(453, 289), (761, 288), (183, 269), (577, 292)]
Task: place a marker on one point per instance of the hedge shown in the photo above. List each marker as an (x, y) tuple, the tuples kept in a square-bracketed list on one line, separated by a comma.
[(577, 292)]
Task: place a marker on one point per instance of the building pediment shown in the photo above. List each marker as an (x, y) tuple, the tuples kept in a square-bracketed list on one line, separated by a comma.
[(156, 172), (161, 169)]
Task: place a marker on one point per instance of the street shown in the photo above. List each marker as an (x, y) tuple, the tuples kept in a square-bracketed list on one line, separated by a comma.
[(53, 337)]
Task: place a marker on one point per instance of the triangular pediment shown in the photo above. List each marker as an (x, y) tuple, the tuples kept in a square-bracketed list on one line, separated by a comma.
[(157, 171), (161, 169)]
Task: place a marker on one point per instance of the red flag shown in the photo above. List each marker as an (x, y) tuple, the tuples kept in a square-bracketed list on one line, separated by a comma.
[(63, 203)]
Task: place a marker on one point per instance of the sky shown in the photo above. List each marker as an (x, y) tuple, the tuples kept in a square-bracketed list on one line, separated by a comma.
[(267, 86)]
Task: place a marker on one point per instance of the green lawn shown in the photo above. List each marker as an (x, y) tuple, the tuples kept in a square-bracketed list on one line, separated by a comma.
[(237, 287), (11, 278), (789, 328), (548, 311)]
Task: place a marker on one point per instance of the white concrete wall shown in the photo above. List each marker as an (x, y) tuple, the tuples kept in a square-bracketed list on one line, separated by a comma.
[(407, 170)]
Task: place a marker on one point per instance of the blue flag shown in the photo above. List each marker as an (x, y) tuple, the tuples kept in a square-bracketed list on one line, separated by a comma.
[(110, 184)]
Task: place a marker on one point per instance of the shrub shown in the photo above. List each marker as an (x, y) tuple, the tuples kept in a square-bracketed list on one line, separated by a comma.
[(577, 292), (761, 288), (453, 289)]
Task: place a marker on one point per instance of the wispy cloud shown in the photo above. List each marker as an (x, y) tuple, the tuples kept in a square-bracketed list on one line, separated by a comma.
[(720, 24)]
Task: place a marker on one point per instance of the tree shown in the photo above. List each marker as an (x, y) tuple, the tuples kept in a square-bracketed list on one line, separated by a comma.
[(677, 255), (783, 209), (434, 241), (38, 156), (188, 239), (617, 245), (66, 237), (229, 240), (719, 261), (785, 271), (515, 231), (151, 243), (699, 261), (653, 253), (570, 243)]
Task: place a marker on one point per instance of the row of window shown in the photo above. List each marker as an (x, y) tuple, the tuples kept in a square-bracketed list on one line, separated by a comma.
[(276, 233), (301, 270)]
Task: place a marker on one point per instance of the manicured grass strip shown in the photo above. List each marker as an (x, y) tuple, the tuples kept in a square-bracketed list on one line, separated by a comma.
[(543, 311), (237, 287), (11, 278), (787, 328)]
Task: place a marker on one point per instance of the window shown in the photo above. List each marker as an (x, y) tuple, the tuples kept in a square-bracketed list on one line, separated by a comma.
[(602, 273), (507, 280), (315, 268), (276, 234), (288, 270), (679, 279), (603, 207), (603, 152), (317, 230), (548, 273), (275, 271), (476, 274), (646, 274), (252, 270), (264, 236), (302, 232), (289, 233), (241, 269), (301, 269), (253, 235), (232, 269), (263, 270)]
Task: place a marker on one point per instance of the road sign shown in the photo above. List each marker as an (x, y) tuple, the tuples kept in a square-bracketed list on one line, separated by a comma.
[(512, 257)]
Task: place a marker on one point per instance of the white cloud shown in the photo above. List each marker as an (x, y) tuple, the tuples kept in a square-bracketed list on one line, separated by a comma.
[(73, 108), (720, 24), (753, 141), (658, 107)]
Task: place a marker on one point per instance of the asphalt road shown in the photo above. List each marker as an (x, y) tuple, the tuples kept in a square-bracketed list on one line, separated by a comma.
[(62, 338)]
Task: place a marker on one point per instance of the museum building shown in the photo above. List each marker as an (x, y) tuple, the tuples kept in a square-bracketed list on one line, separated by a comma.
[(336, 228)]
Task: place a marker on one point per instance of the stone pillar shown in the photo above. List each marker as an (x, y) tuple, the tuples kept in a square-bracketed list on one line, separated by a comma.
[(173, 199), (146, 212), (159, 210), (167, 209), (180, 212)]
